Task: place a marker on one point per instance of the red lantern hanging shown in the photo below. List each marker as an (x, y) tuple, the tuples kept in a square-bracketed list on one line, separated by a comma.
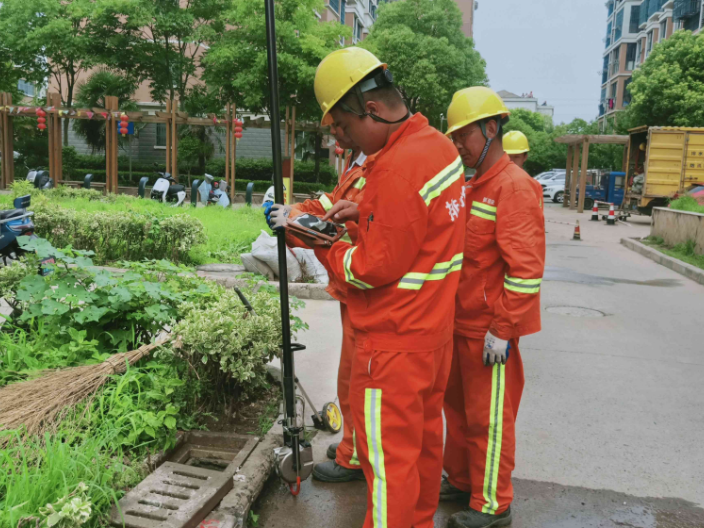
[(238, 135), (238, 129), (41, 119), (124, 124), (339, 151)]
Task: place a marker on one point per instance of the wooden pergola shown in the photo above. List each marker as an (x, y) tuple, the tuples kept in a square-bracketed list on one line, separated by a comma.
[(55, 113), (574, 142)]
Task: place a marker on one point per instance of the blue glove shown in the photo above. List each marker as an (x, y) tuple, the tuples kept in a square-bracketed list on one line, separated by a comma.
[(267, 212)]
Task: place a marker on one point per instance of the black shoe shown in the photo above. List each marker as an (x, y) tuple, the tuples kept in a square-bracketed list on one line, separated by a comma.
[(473, 519), (448, 492), (331, 471), (332, 451)]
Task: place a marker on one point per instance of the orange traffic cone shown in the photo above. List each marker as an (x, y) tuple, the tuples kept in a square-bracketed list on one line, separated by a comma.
[(595, 212), (611, 219), (577, 233)]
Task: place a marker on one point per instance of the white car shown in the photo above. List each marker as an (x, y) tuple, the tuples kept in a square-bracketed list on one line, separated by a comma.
[(543, 177), (554, 189)]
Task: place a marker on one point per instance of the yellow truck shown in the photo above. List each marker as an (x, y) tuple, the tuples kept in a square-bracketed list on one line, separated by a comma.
[(663, 162)]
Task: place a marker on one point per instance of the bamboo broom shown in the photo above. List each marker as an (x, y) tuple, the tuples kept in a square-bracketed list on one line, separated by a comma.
[(38, 403)]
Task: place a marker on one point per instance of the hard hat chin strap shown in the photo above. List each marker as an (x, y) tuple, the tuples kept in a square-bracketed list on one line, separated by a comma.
[(489, 141)]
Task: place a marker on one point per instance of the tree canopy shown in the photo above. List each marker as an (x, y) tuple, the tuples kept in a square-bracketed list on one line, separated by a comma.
[(236, 63), (545, 154), (431, 58), (668, 89)]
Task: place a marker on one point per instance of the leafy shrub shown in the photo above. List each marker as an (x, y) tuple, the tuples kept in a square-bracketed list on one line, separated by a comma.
[(115, 235), (687, 203)]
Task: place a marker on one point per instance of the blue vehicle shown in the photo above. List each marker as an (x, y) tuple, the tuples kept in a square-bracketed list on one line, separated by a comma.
[(610, 189)]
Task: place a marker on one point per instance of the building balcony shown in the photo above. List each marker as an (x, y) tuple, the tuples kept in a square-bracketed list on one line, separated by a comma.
[(686, 9), (655, 6), (644, 8)]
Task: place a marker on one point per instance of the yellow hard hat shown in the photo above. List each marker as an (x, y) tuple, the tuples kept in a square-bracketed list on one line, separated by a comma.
[(516, 142), (338, 73), (473, 104)]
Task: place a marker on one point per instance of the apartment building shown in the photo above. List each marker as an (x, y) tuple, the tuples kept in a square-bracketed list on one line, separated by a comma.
[(357, 14), (633, 27)]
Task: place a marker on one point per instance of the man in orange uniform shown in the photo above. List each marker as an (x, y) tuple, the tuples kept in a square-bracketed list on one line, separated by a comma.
[(517, 147), (498, 301), (344, 465), (402, 274)]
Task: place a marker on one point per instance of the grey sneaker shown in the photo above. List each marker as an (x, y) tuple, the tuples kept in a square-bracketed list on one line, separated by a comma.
[(448, 492), (332, 451), (331, 471), (473, 519)]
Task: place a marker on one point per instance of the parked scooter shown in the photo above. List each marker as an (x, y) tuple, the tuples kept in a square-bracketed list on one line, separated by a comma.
[(166, 189), (15, 223), (40, 179), (213, 192)]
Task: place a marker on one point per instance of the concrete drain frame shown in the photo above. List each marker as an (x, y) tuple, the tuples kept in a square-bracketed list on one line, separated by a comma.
[(188, 484), (576, 311)]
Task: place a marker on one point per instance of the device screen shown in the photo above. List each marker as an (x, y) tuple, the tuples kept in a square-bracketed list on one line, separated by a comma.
[(316, 224)]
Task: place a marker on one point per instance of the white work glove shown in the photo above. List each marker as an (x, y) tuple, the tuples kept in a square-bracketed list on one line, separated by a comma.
[(279, 216), (495, 350)]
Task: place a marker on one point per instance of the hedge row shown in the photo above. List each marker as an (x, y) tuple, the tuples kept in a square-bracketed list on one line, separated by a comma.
[(112, 235), (249, 169), (240, 185)]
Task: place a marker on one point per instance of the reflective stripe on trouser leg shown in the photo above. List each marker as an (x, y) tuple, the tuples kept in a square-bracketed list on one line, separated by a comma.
[(493, 453), (346, 449), (354, 460), (372, 418)]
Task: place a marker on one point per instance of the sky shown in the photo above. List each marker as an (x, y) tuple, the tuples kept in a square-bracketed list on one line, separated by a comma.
[(553, 48)]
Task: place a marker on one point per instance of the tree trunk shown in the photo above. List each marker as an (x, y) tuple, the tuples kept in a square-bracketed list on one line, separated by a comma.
[(201, 154), (69, 104), (318, 142)]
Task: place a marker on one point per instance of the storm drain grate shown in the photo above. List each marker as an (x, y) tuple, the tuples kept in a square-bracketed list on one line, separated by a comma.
[(181, 494)]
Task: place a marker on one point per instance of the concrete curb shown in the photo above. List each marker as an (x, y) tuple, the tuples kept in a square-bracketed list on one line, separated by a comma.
[(689, 271), (250, 480), (314, 292)]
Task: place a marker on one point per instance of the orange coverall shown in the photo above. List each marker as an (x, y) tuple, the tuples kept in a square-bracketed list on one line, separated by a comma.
[(499, 292), (350, 187), (402, 275)]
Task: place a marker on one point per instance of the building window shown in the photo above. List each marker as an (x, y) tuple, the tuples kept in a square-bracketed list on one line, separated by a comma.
[(649, 45), (372, 9), (631, 53), (663, 30), (26, 88), (619, 25), (160, 135), (635, 19), (343, 7), (608, 35), (357, 29), (605, 71), (614, 89), (639, 51), (627, 92), (615, 62), (334, 5)]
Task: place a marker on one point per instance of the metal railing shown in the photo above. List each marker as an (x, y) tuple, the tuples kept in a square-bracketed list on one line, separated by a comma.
[(686, 9)]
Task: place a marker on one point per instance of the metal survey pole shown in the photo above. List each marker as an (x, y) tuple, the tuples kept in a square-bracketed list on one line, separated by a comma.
[(291, 431)]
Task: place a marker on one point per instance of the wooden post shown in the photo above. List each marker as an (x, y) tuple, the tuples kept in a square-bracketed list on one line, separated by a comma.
[(174, 141), (111, 145), (292, 152), (55, 143), (228, 139), (6, 142), (568, 177), (286, 125), (575, 176), (624, 164), (583, 177), (234, 157), (168, 136)]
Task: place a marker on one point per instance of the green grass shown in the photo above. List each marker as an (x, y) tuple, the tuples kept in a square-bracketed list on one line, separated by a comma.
[(230, 232), (684, 252), (687, 203)]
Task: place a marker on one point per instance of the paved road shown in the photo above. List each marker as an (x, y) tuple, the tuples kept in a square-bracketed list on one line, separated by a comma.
[(611, 427)]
